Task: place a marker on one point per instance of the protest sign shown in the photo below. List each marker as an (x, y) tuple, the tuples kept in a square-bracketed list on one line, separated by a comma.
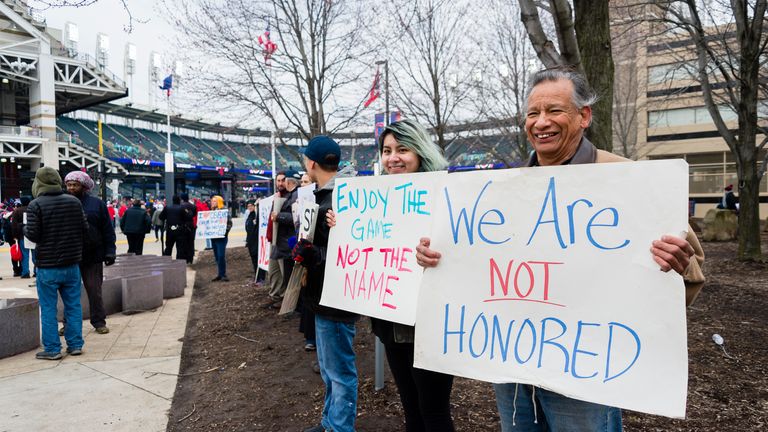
[(371, 263), (546, 278), (211, 224), (307, 211), (264, 209)]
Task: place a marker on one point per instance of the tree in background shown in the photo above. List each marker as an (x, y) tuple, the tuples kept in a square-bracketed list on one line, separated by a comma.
[(583, 42), (731, 54), (427, 43), (302, 82)]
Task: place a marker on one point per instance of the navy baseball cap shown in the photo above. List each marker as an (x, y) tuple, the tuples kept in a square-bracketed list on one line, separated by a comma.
[(293, 175), (324, 150)]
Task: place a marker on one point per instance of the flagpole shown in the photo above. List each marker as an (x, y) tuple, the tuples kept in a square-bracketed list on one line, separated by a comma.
[(378, 356), (169, 186)]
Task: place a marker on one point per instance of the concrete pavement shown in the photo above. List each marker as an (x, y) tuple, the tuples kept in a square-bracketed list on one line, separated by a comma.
[(124, 381)]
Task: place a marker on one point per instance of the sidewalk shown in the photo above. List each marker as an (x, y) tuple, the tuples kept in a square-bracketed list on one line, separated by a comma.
[(124, 381)]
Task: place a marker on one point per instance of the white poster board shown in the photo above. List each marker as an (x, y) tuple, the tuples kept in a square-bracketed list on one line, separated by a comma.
[(371, 265), (264, 207), (546, 278), (211, 224), (307, 211)]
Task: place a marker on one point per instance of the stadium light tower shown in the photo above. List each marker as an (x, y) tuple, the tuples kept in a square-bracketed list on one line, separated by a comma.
[(155, 68), (71, 38), (102, 50), (130, 65)]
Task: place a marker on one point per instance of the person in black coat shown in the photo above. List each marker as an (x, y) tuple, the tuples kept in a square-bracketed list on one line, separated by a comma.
[(177, 231), (135, 224), (189, 245), (57, 224), (252, 235), (99, 247)]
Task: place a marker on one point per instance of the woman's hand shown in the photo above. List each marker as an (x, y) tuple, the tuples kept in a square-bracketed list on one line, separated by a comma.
[(425, 256)]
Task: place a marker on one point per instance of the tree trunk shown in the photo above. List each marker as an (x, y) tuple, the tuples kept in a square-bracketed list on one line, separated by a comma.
[(594, 37), (749, 214)]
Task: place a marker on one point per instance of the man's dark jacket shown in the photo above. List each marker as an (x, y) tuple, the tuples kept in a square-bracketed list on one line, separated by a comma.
[(285, 227), (314, 289), (17, 221), (174, 215), (57, 224), (192, 210), (100, 241), (136, 221), (252, 232)]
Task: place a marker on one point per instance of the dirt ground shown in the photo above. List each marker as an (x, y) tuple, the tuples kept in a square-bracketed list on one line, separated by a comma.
[(244, 368)]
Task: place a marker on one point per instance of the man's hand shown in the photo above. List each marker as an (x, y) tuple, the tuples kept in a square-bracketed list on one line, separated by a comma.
[(273, 216), (306, 254), (425, 256), (672, 253), (330, 218), (109, 260)]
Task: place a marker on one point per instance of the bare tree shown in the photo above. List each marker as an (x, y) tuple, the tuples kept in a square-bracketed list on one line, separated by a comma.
[(583, 42), (47, 4), (309, 85), (730, 45), (507, 65), (433, 40)]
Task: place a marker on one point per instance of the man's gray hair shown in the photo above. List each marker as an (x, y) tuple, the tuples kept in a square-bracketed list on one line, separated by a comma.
[(583, 95)]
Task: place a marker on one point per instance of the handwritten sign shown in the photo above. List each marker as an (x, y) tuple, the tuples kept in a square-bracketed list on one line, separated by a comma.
[(264, 208), (307, 211), (546, 278), (371, 265), (211, 224)]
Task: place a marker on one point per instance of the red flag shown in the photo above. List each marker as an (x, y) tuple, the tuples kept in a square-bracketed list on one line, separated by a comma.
[(375, 91)]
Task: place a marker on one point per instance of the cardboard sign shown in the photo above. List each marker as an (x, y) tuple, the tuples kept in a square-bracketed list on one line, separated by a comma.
[(264, 207), (211, 224), (371, 264), (307, 211), (546, 278)]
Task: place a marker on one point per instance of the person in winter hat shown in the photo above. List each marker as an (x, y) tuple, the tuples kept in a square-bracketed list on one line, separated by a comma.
[(57, 225)]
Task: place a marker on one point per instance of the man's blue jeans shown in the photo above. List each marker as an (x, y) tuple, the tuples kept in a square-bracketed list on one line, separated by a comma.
[(24, 258), (336, 358), (219, 254), (50, 283), (551, 411)]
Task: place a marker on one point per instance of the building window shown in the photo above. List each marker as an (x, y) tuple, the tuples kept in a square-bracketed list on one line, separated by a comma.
[(687, 116)]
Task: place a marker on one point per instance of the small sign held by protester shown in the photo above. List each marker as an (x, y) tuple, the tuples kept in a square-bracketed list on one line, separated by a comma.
[(211, 224)]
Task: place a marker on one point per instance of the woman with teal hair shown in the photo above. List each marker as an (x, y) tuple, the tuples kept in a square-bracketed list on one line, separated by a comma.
[(405, 148)]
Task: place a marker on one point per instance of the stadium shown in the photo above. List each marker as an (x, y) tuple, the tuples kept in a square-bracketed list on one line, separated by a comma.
[(61, 107)]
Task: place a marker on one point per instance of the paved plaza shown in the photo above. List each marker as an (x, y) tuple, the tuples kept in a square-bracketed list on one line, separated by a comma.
[(124, 381)]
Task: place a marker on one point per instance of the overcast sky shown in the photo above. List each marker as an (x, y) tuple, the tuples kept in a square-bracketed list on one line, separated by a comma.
[(109, 17)]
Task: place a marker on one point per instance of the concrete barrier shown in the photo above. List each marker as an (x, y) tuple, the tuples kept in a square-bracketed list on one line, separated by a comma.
[(19, 326), (174, 277), (84, 306), (142, 293)]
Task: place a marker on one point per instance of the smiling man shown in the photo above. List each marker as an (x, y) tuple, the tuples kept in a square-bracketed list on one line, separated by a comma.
[(558, 112)]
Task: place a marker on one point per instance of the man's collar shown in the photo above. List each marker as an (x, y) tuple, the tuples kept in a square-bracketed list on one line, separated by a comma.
[(585, 153)]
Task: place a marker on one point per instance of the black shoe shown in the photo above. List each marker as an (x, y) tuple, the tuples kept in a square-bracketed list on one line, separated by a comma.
[(225, 279), (26, 276), (216, 279), (318, 428), (74, 351), (61, 331)]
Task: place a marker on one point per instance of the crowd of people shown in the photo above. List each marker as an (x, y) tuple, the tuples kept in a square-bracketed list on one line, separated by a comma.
[(76, 244)]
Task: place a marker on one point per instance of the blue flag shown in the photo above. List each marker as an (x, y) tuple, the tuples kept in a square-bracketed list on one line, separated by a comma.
[(167, 83)]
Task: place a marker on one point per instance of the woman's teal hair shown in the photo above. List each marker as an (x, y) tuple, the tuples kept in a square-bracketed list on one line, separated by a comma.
[(414, 137)]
